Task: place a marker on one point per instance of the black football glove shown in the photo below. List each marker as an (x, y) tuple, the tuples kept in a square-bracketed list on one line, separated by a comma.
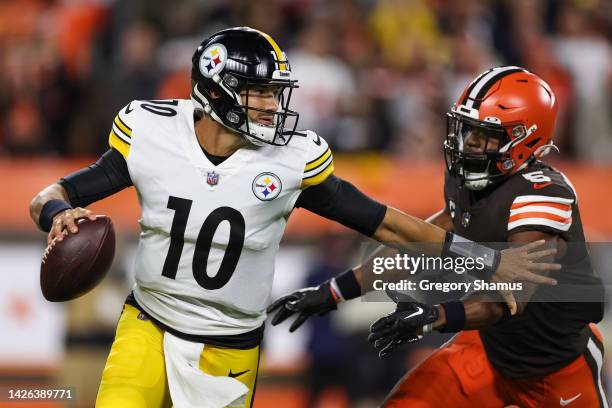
[(405, 325), (318, 300)]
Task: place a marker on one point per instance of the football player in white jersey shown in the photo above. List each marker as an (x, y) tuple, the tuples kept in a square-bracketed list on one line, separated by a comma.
[(217, 177)]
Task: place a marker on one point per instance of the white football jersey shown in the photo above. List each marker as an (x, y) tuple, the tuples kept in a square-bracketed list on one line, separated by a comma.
[(205, 259)]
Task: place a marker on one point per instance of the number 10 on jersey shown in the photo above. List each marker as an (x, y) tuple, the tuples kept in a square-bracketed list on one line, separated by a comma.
[(182, 207)]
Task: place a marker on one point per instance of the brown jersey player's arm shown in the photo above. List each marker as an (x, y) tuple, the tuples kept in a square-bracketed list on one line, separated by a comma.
[(481, 309)]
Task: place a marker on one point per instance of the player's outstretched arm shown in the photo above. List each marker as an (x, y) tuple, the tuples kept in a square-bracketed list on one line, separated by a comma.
[(340, 201), (57, 207), (325, 297)]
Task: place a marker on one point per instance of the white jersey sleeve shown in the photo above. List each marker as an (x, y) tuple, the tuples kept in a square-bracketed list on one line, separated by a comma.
[(120, 136), (319, 160)]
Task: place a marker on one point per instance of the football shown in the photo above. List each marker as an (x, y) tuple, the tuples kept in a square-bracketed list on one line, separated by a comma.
[(72, 267)]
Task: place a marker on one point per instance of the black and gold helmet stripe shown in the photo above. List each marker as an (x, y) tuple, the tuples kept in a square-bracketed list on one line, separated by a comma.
[(280, 55)]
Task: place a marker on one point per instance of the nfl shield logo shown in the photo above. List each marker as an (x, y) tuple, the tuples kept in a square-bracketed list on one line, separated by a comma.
[(212, 179)]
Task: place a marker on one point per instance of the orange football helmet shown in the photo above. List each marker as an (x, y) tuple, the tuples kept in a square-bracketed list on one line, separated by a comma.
[(512, 112)]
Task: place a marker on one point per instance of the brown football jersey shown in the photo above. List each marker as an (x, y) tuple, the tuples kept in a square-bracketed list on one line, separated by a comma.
[(548, 334)]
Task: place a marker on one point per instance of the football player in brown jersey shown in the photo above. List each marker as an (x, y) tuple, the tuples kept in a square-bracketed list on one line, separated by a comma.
[(498, 190)]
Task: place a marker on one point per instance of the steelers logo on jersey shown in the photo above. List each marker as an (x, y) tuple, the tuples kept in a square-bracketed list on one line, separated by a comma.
[(267, 186), (213, 60)]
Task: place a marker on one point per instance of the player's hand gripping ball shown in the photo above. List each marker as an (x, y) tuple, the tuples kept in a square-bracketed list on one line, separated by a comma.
[(76, 264)]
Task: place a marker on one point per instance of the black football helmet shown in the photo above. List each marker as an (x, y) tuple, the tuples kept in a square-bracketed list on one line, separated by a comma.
[(230, 62)]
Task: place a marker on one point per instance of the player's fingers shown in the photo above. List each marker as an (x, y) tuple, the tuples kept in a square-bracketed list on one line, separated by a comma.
[(57, 229), (545, 266), (281, 316), (539, 279), (373, 338), (51, 235), (380, 323), (388, 349), (89, 214), (298, 303), (380, 343), (75, 214), (278, 303), (384, 342), (377, 336), (413, 339), (532, 246), (70, 222), (80, 212), (298, 322), (534, 256), (510, 301), (382, 332)]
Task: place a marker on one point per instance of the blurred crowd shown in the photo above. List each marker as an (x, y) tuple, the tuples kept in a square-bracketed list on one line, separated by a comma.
[(375, 75)]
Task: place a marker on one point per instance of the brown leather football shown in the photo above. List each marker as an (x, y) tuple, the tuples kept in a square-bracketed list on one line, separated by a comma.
[(76, 265)]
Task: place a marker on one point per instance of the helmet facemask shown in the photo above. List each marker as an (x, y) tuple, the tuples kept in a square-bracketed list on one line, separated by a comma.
[(227, 102), (283, 120), (475, 151)]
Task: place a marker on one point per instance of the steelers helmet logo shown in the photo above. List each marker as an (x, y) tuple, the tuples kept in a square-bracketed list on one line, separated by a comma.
[(213, 60), (267, 186)]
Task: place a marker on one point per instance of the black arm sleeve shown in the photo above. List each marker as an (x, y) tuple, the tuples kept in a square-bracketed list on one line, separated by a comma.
[(103, 178), (340, 201)]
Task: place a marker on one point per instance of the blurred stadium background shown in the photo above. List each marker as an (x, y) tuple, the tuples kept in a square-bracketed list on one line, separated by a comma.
[(376, 77)]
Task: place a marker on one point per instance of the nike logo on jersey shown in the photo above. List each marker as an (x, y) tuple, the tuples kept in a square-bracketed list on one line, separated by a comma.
[(318, 141), (538, 186), (128, 108), (419, 311), (234, 375), (563, 402)]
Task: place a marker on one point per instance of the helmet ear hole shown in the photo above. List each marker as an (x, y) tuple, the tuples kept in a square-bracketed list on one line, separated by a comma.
[(231, 81), (233, 117)]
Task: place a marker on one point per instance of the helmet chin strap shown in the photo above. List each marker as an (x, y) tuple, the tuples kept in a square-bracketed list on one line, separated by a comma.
[(479, 181), (206, 108)]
